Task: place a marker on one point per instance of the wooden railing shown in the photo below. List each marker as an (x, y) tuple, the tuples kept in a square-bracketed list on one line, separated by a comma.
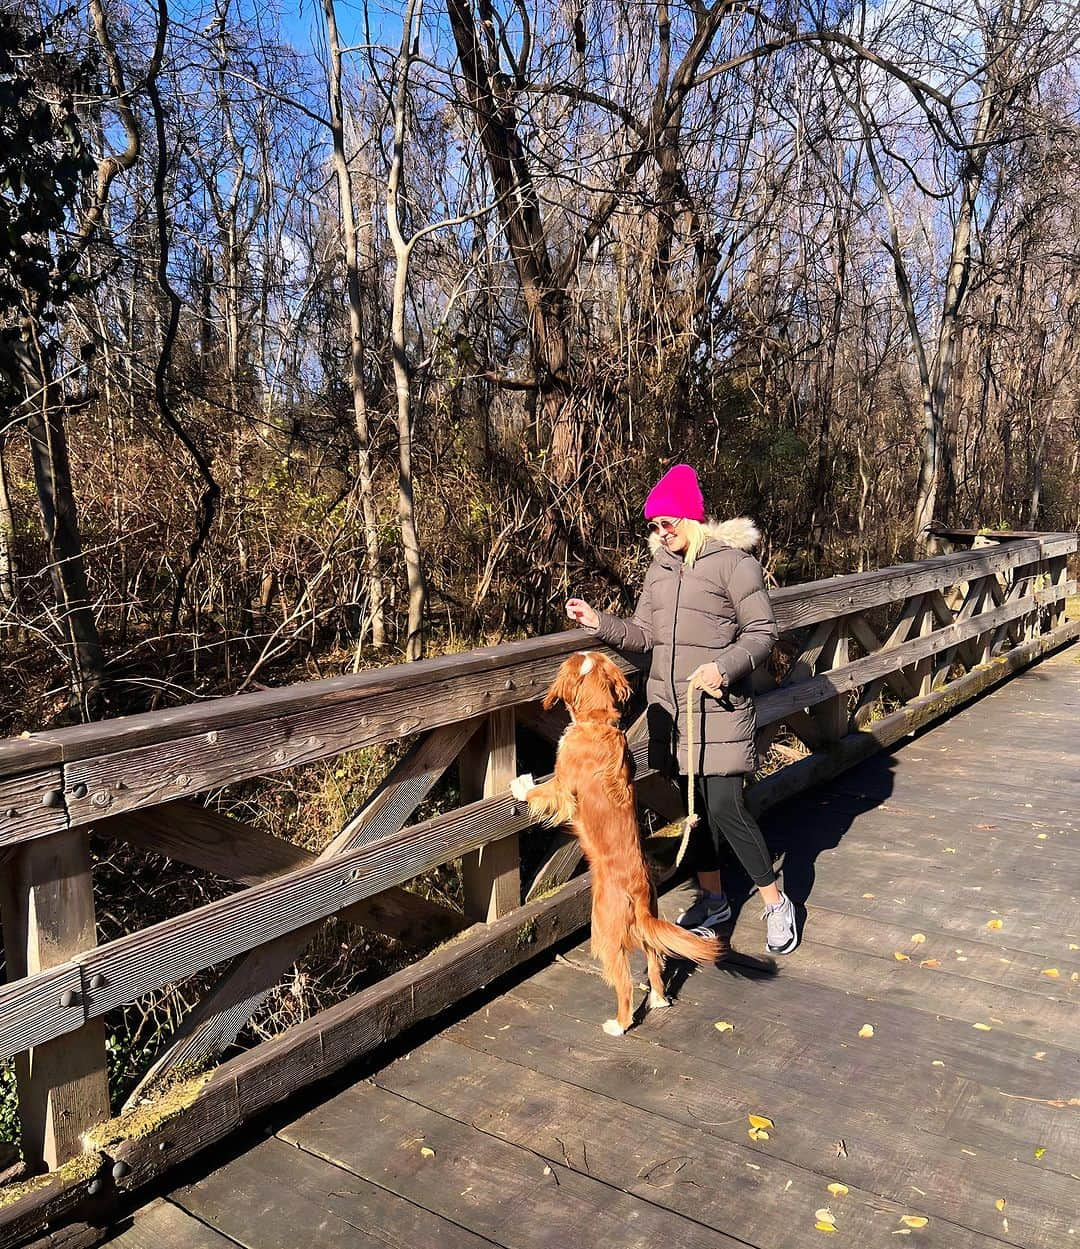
[(878, 655)]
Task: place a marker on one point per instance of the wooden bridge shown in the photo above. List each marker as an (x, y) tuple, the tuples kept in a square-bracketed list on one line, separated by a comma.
[(912, 1070)]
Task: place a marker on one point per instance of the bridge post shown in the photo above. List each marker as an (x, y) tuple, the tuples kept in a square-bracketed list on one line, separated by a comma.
[(831, 717), (491, 876), (1059, 573), (47, 902)]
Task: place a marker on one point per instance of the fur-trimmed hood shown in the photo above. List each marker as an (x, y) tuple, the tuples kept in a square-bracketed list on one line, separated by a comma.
[(740, 533)]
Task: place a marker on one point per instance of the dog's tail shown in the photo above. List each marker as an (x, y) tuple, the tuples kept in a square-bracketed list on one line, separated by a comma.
[(664, 938)]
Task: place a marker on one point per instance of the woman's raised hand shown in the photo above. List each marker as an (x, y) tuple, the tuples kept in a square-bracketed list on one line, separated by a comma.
[(581, 613)]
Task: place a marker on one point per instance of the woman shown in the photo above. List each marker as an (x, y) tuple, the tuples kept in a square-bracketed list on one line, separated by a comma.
[(706, 618)]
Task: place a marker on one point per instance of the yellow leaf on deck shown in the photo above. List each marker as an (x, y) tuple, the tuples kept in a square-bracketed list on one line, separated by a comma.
[(1000, 1203), (1040, 1151), (866, 1030), (1073, 946), (825, 1227), (918, 938), (930, 962), (995, 923), (950, 849), (901, 958), (427, 1152), (838, 1190), (760, 1121), (758, 1134), (868, 895), (913, 1220), (1052, 972), (1043, 836), (722, 1025), (824, 1215), (982, 1027), (937, 1063), (1039, 1055)]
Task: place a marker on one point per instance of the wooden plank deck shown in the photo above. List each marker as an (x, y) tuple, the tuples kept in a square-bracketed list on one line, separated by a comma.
[(941, 883)]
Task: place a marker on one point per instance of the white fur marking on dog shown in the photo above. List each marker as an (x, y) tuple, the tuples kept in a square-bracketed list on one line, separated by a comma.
[(587, 666), (657, 1001), (521, 785), (611, 1027)]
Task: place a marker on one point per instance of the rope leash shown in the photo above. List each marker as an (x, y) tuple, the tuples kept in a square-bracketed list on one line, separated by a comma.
[(691, 816)]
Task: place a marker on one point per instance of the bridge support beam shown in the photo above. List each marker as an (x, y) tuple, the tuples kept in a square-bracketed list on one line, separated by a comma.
[(47, 902), (491, 876)]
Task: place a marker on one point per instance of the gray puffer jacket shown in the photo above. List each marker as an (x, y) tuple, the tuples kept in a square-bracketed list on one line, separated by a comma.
[(717, 611)]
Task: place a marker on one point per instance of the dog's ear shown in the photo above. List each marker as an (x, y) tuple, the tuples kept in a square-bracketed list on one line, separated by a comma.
[(564, 687), (621, 689)]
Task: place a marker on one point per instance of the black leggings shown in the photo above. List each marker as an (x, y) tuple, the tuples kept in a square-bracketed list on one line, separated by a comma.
[(722, 816)]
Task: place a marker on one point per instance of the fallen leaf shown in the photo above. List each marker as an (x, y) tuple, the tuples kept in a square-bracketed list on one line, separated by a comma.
[(985, 827), (930, 962), (1052, 972), (950, 849), (1000, 1203), (1039, 1055), (824, 1215), (1043, 836), (901, 958), (841, 1148), (760, 1121), (913, 1220), (547, 1170), (757, 1134), (918, 938), (1040, 1150), (995, 923), (427, 1151), (866, 1030), (961, 958), (1073, 946), (982, 1027), (937, 1063), (838, 1190), (868, 895), (825, 1227), (722, 1025)]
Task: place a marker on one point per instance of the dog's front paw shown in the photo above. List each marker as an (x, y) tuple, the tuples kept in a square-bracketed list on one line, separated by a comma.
[(521, 785), (657, 1001), (613, 1028)]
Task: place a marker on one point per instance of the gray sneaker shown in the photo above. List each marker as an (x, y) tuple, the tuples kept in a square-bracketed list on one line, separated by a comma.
[(706, 911), (783, 935)]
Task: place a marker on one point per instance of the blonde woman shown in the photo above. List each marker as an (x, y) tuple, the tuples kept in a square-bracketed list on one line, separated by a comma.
[(704, 615)]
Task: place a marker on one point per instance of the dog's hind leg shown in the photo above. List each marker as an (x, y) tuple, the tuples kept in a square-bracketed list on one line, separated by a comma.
[(618, 972), (658, 997)]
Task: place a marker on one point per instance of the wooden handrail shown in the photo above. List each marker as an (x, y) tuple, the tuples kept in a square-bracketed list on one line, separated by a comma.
[(71, 777)]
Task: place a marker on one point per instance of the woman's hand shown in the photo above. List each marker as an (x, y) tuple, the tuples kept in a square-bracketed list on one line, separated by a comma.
[(709, 678), (581, 613)]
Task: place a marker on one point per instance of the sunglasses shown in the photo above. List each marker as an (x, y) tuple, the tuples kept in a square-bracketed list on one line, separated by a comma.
[(663, 526)]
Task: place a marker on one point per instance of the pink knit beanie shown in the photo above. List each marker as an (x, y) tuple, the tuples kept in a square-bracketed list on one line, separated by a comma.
[(676, 494)]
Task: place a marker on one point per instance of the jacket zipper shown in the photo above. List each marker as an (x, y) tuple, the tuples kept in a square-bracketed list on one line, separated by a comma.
[(674, 692)]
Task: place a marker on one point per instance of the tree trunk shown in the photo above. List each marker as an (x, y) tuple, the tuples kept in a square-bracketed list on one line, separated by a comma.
[(523, 226), (8, 569), (347, 210), (410, 541), (60, 524)]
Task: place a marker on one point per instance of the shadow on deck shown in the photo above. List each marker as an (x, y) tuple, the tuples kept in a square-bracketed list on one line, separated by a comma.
[(940, 885)]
